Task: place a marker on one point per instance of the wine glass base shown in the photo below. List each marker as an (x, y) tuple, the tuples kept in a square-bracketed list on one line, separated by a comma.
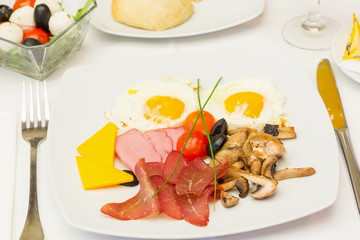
[(314, 37)]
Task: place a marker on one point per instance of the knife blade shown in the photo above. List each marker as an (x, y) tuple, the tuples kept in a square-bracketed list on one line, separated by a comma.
[(330, 95)]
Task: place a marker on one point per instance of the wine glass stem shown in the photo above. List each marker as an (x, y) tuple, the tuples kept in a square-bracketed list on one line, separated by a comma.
[(314, 22)]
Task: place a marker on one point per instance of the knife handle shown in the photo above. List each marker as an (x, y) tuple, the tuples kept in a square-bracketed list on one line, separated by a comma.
[(351, 163)]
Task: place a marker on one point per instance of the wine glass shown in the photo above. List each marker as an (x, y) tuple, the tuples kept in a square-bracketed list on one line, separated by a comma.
[(313, 32)]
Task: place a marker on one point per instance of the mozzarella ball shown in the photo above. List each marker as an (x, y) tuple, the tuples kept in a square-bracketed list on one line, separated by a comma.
[(11, 32), (59, 22), (24, 17), (53, 5)]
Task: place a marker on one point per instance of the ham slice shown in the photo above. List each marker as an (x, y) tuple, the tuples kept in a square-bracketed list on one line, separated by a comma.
[(168, 198), (132, 146), (195, 177), (170, 165), (173, 133), (162, 143), (142, 204)]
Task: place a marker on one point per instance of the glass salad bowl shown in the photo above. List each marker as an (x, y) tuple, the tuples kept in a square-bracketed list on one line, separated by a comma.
[(41, 60)]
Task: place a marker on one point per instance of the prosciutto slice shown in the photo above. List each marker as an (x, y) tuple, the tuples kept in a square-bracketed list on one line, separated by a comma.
[(168, 198), (195, 209), (132, 146), (170, 165), (142, 204), (195, 177)]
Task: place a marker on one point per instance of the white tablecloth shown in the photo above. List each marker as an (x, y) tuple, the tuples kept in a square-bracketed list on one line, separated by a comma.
[(341, 220)]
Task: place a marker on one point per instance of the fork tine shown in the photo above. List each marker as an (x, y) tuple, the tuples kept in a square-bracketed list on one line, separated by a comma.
[(46, 105), (23, 107), (31, 105), (37, 105)]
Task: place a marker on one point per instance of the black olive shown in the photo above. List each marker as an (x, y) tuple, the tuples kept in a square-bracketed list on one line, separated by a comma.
[(271, 129), (5, 13), (42, 15), (220, 127), (36, 54), (31, 42), (217, 142), (133, 183)]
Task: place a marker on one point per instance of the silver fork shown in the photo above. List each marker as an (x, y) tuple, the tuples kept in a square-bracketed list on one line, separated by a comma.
[(34, 122)]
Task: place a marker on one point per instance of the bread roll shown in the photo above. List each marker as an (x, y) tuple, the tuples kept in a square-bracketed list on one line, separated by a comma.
[(155, 15)]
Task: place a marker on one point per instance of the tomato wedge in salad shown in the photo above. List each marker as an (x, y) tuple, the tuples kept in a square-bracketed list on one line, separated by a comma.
[(38, 34), (23, 3)]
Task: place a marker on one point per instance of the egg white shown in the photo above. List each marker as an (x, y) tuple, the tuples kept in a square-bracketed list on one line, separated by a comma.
[(271, 113), (129, 110)]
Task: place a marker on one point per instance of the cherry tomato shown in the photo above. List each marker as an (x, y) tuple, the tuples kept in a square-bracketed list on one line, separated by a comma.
[(196, 145), (190, 120), (23, 3), (37, 34)]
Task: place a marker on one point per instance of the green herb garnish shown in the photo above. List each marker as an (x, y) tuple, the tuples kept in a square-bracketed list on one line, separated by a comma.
[(192, 129), (83, 10), (208, 137)]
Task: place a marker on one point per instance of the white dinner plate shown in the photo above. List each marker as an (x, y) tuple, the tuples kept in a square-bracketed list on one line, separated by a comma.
[(350, 67), (87, 91), (209, 16)]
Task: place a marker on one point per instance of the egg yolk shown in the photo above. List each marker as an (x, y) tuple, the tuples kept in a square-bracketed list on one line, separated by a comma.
[(250, 103), (160, 107)]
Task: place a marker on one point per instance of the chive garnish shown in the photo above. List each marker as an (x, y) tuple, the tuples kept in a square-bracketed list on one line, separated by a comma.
[(192, 129), (209, 140)]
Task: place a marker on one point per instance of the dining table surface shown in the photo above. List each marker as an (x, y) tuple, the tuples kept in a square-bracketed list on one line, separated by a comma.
[(341, 220)]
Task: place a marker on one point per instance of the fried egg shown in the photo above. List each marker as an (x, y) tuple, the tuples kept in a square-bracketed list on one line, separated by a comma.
[(250, 102), (154, 104)]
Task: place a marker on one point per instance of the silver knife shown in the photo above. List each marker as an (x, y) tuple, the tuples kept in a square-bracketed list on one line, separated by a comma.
[(330, 95)]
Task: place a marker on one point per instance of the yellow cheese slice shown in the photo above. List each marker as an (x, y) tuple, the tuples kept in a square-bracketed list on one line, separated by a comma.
[(101, 145), (96, 175)]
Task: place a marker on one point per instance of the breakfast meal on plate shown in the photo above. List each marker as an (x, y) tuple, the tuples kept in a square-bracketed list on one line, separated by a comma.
[(155, 15), (352, 51), (181, 155), (32, 23)]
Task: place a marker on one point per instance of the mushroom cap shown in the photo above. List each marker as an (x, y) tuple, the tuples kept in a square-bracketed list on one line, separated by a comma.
[(266, 186)]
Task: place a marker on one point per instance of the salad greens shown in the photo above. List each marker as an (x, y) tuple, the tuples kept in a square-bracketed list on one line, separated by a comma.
[(83, 10)]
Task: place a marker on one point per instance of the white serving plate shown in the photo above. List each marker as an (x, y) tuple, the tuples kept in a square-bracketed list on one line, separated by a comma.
[(349, 67), (209, 16), (88, 91)]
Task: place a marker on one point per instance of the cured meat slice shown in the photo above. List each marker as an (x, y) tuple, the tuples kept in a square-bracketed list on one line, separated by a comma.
[(161, 141), (195, 177), (170, 165), (142, 204), (132, 146), (195, 209), (173, 133), (154, 168), (168, 198)]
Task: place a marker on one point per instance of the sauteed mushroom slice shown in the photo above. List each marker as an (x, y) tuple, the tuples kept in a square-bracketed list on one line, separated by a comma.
[(241, 183), (265, 186), (244, 130), (286, 133), (268, 166), (238, 165), (279, 132), (228, 200), (293, 173), (263, 145), (255, 167)]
